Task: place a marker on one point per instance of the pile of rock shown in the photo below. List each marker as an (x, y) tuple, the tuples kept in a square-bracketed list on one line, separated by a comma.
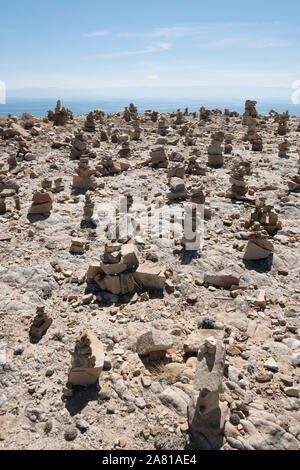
[(228, 144), (206, 414), (204, 114), (257, 143), (125, 148), (266, 217), (177, 189), (162, 126), (283, 148), (154, 344), (251, 123), (79, 146), (42, 202), (215, 150), (195, 166), (294, 183), (250, 110), (41, 323), (79, 246), (239, 188), (159, 157), (283, 120), (87, 360), (121, 273), (60, 116), (259, 246), (89, 125), (84, 178), (137, 131), (110, 166), (179, 119), (88, 208)]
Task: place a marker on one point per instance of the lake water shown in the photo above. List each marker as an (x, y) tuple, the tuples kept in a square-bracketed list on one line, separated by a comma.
[(39, 107)]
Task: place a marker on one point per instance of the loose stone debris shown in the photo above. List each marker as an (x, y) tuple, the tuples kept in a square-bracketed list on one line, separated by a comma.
[(179, 337)]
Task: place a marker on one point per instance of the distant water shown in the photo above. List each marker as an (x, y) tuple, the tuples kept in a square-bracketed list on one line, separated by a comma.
[(39, 107)]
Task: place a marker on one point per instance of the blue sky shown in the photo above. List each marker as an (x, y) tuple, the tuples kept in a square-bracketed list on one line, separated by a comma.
[(130, 43)]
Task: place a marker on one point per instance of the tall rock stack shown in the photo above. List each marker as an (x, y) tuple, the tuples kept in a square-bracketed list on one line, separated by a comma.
[(137, 131), (87, 360), (154, 116), (84, 178), (239, 188), (267, 218), (215, 150), (179, 119), (89, 125), (60, 116), (251, 123), (88, 208), (206, 414), (257, 143), (294, 183), (42, 202), (204, 114), (228, 144), (283, 148), (250, 109), (259, 246), (162, 127), (79, 145), (283, 120), (41, 323), (127, 115)]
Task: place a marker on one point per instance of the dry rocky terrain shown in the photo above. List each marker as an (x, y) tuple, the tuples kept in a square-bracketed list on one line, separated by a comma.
[(188, 349)]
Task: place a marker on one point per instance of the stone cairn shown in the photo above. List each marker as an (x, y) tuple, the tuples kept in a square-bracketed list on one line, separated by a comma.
[(87, 360), (154, 116), (42, 202), (79, 246), (283, 120), (239, 188), (264, 214), (176, 170), (159, 157), (125, 146), (179, 118), (60, 116), (263, 224), (215, 150), (259, 246), (162, 126), (127, 115), (294, 183), (58, 185), (195, 166), (177, 189), (89, 125), (257, 143), (110, 166), (79, 146), (251, 123), (283, 148), (41, 323), (204, 114), (84, 178), (228, 144), (137, 131), (250, 109), (88, 208), (206, 414)]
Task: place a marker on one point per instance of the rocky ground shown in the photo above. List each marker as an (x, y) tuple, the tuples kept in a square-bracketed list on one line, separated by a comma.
[(141, 404)]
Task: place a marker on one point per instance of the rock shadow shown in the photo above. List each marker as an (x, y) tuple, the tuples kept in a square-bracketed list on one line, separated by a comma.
[(260, 266), (81, 397), (185, 256), (33, 218)]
